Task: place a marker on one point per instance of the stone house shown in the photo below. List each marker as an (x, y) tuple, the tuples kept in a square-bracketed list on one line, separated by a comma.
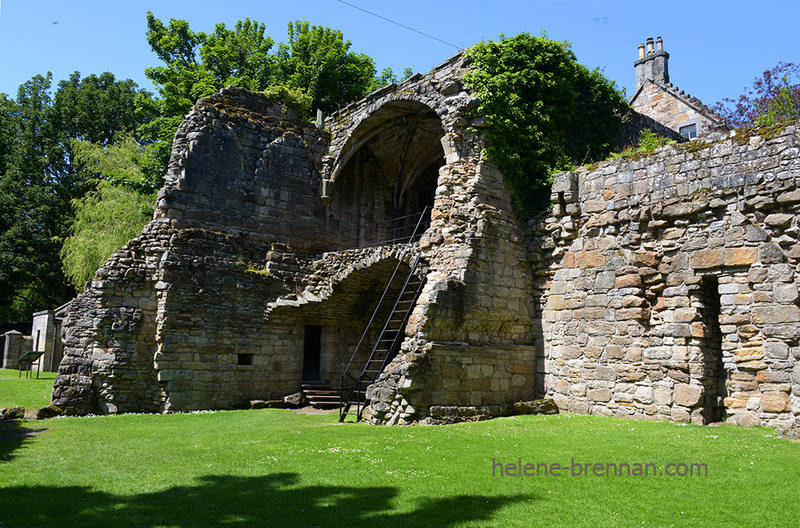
[(662, 287), (657, 98)]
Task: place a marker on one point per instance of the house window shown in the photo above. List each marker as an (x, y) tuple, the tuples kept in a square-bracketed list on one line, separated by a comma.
[(689, 131)]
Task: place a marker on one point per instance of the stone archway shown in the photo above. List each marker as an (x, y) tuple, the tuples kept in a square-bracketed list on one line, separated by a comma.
[(389, 166)]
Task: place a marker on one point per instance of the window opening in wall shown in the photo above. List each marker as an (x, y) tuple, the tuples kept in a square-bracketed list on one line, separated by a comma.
[(244, 359), (312, 352), (689, 131), (714, 373)]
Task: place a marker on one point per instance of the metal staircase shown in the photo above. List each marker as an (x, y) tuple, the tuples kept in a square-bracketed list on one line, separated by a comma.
[(401, 294)]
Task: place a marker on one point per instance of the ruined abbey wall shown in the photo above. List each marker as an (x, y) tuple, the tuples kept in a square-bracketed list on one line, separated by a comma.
[(668, 285), (661, 287), (252, 243)]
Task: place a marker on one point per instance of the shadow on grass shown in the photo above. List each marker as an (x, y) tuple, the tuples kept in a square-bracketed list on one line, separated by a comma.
[(12, 436), (274, 500)]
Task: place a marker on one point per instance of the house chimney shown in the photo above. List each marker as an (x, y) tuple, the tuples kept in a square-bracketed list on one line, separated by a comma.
[(660, 66), (652, 64)]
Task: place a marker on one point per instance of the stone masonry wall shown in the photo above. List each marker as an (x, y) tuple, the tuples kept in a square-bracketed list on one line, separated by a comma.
[(671, 107), (668, 285), (207, 307)]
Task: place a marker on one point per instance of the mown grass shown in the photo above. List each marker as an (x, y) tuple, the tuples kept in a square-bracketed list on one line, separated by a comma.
[(30, 393), (279, 468)]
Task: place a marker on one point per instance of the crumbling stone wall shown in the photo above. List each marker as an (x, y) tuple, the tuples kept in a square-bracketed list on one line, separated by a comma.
[(251, 242), (661, 287), (668, 285)]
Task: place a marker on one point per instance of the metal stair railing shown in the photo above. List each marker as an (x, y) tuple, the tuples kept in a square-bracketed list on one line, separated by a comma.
[(353, 387)]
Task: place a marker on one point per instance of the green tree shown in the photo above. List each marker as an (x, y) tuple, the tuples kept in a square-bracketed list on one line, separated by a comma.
[(116, 210), (545, 112), (774, 98), (41, 178), (318, 61)]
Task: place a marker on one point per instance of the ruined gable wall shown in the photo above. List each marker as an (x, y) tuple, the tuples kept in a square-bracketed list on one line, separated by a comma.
[(637, 258), (166, 321), (240, 167)]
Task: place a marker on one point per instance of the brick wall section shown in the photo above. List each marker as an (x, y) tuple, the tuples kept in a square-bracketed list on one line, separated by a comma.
[(668, 285)]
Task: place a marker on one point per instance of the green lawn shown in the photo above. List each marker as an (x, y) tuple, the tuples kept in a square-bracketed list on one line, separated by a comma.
[(30, 393), (279, 468)]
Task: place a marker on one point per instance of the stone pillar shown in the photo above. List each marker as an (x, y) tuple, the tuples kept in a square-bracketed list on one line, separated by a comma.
[(43, 334), (14, 341)]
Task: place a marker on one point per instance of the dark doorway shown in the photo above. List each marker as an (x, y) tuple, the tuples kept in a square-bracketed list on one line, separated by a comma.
[(714, 374), (312, 352)]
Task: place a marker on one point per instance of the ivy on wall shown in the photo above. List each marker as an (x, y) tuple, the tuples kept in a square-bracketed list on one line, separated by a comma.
[(545, 112)]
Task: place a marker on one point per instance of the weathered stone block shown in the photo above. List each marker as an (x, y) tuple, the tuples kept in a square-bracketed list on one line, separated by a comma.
[(594, 206), (776, 350), (748, 354), (680, 415), (544, 406), (643, 394), (629, 281), (663, 396), (771, 376), (779, 219), (599, 395), (707, 258), (785, 293), (770, 254), (589, 259), (776, 314), (605, 280), (744, 418), (775, 402), (740, 256), (605, 373), (687, 395)]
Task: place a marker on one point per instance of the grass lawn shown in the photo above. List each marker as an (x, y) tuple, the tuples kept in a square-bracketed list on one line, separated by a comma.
[(30, 393), (279, 468)]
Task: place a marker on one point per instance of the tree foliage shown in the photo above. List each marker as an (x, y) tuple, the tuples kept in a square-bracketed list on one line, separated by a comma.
[(774, 98), (106, 219), (318, 61), (121, 204), (40, 178), (545, 112)]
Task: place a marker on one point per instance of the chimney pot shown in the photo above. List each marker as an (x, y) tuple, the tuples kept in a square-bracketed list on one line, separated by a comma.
[(641, 51), (659, 44), (650, 46)]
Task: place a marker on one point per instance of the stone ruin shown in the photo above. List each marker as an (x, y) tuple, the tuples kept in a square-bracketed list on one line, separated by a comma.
[(661, 287)]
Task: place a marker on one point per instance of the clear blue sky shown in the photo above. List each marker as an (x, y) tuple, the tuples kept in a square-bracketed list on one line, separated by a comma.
[(716, 47)]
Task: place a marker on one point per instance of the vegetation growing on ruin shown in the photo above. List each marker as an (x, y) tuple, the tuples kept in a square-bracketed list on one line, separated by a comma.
[(546, 112), (648, 142)]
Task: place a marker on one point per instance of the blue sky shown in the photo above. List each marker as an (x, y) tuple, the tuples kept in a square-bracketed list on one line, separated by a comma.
[(716, 47)]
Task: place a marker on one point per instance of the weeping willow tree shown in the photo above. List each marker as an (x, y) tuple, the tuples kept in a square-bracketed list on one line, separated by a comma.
[(120, 205)]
